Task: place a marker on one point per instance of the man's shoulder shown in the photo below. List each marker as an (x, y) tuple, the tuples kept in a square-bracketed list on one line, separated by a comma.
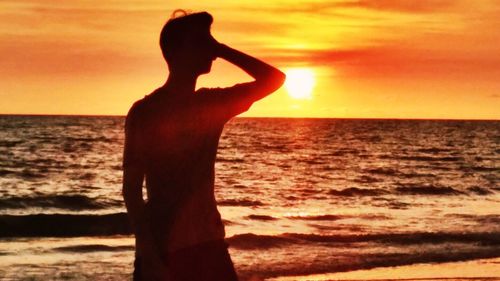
[(138, 112), (140, 106), (136, 109)]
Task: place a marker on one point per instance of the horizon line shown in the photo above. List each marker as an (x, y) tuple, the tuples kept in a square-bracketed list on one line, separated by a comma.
[(259, 117)]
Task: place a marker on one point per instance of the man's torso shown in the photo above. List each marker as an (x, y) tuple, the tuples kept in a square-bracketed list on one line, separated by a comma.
[(179, 140)]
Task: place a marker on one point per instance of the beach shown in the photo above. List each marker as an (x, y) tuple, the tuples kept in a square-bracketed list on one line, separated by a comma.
[(113, 262), (301, 199), (477, 270)]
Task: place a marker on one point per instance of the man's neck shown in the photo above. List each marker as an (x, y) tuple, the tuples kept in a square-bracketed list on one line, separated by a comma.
[(178, 84)]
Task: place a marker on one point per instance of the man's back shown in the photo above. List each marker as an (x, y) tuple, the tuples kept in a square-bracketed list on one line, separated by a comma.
[(176, 140)]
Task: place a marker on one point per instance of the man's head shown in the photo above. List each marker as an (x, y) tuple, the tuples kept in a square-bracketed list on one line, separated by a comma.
[(186, 42)]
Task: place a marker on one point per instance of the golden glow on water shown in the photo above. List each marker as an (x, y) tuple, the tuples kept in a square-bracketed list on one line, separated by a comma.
[(300, 83)]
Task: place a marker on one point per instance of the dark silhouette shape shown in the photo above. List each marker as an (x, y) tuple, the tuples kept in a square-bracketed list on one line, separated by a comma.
[(171, 139)]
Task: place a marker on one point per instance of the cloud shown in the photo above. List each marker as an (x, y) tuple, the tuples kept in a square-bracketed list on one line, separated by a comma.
[(393, 61), (333, 7), (409, 6), (42, 57), (66, 39)]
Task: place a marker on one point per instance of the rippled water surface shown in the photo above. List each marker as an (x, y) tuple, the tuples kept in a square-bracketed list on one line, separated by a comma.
[(298, 196)]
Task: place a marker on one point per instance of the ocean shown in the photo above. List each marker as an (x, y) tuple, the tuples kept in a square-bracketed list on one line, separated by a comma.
[(298, 196)]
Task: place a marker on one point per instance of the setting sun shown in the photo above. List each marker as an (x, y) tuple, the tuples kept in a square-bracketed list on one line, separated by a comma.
[(300, 83)]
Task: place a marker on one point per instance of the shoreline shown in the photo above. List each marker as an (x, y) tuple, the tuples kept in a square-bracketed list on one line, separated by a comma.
[(481, 269)]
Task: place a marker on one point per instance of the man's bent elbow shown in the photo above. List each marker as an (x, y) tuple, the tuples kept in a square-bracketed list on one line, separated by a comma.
[(268, 84), (280, 79), (275, 81)]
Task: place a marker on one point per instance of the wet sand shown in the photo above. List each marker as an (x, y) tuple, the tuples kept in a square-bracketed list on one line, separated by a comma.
[(487, 269)]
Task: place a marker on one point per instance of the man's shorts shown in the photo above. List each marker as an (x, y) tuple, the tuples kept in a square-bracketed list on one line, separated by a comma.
[(208, 261)]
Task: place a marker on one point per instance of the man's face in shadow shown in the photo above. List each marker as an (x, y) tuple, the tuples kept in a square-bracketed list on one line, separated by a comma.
[(198, 52)]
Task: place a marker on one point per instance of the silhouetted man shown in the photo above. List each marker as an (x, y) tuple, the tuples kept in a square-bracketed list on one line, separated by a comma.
[(171, 138)]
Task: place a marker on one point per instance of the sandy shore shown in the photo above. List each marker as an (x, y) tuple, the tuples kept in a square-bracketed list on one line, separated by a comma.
[(487, 269)]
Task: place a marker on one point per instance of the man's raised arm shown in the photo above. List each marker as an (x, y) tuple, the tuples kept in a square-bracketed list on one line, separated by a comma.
[(267, 78)]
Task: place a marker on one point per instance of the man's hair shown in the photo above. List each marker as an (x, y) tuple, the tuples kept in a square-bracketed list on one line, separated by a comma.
[(178, 28)]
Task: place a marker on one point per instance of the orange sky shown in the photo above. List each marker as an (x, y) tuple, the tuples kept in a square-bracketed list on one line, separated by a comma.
[(372, 58)]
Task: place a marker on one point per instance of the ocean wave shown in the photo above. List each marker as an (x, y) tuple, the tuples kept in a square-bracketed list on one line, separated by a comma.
[(249, 241), (261, 218), (10, 143), (65, 202), (5, 172), (417, 175), (230, 160), (354, 191), (429, 158), (433, 150), (421, 158), (427, 190), (254, 241), (390, 172), (366, 179), (479, 190), (276, 146), (63, 225), (382, 171), (93, 248), (479, 219), (72, 139), (329, 217), (483, 169), (319, 217), (239, 202), (29, 174)]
